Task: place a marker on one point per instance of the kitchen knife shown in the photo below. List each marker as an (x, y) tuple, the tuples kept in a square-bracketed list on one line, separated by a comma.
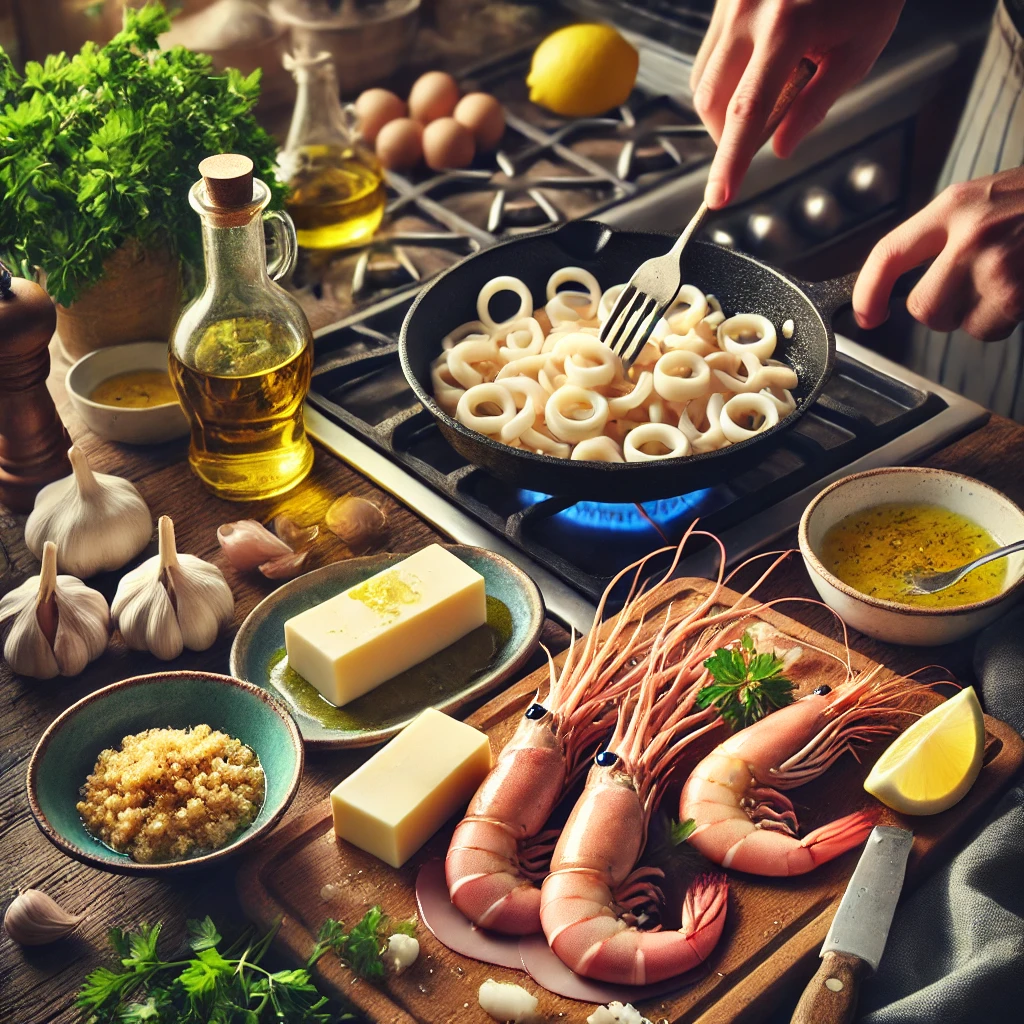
[(854, 944)]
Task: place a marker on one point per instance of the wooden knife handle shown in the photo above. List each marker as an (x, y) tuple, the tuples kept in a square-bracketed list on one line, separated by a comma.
[(831, 995)]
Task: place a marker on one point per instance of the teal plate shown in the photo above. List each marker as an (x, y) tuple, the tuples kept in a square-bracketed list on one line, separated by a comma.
[(67, 752), (473, 666)]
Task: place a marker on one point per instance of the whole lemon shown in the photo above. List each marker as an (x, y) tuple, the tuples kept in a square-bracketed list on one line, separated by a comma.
[(582, 71)]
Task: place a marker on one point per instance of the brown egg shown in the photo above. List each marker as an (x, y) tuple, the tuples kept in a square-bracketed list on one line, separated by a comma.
[(375, 108), (483, 116), (447, 145), (400, 144), (433, 95)]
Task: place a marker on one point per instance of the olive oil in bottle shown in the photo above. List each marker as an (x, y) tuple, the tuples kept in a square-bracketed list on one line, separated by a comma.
[(337, 186), (336, 198), (241, 355)]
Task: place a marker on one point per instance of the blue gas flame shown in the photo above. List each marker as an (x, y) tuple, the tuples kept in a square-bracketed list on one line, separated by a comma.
[(597, 515)]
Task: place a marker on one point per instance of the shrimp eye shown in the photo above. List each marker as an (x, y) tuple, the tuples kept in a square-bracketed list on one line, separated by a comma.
[(536, 711), (822, 691), (606, 759)]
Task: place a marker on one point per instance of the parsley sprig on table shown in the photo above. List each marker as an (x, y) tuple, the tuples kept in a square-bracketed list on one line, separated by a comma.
[(361, 948), (102, 147), (747, 685)]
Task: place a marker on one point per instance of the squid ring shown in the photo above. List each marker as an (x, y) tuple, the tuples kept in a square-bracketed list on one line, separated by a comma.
[(543, 444), (524, 366), (763, 344), (656, 411), (684, 320), (665, 434), (575, 348), (783, 401), (446, 393), (640, 393), (778, 375), (755, 408), (675, 387), (575, 275), (528, 389), (462, 332), (598, 449), (569, 400), (484, 394), (520, 423), (465, 354), (712, 438), (525, 337), (608, 300), (495, 286), (692, 341), (730, 379)]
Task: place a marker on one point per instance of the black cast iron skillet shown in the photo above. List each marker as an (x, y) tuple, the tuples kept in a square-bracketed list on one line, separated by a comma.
[(741, 283)]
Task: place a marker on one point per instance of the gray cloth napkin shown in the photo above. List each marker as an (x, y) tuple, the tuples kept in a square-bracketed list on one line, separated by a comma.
[(956, 948)]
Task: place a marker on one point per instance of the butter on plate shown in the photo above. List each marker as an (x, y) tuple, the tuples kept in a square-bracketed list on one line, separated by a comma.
[(353, 642), (396, 801)]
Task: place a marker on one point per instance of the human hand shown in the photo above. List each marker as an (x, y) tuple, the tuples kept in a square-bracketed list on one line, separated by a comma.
[(975, 232), (749, 53)]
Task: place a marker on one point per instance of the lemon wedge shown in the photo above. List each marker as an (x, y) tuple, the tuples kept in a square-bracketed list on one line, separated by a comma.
[(933, 764), (582, 71)]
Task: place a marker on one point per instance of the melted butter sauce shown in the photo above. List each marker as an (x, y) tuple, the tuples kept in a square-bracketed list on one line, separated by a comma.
[(136, 389), (386, 592), (430, 682), (875, 549)]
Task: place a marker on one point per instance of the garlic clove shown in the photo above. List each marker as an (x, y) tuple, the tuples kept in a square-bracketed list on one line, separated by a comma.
[(284, 567), (98, 522), (294, 535), (59, 624), (172, 601), (248, 544), (360, 523), (35, 919)]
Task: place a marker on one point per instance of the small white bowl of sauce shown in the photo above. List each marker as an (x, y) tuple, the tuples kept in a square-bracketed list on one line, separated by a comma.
[(862, 535), (124, 393)]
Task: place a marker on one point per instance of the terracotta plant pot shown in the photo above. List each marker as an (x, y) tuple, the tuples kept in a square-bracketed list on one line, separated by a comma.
[(137, 299)]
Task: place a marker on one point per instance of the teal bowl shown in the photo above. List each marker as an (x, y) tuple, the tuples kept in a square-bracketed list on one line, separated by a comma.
[(67, 752)]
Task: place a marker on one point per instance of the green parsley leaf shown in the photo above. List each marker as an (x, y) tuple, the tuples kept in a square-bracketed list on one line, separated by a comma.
[(747, 685), (680, 831), (361, 948), (203, 935)]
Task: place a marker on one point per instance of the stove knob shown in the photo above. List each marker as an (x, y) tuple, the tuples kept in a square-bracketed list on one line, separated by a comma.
[(721, 237), (819, 212), (868, 186), (770, 235)]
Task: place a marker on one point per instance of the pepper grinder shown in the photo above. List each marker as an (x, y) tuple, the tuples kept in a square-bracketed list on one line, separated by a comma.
[(33, 441)]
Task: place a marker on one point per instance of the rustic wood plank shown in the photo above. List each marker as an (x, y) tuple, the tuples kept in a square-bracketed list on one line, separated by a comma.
[(774, 927)]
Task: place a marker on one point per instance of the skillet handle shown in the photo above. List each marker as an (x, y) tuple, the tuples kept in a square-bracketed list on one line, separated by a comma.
[(831, 296)]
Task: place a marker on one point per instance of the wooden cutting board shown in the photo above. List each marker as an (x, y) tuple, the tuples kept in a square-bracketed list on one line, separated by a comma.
[(774, 928)]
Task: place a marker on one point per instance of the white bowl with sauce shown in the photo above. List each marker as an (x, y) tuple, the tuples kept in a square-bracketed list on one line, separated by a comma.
[(149, 422), (894, 621)]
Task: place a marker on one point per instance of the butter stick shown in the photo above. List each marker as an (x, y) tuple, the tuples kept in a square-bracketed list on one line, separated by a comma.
[(353, 642), (396, 801)]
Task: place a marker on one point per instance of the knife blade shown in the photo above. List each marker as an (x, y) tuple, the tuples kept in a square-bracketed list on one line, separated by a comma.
[(855, 941)]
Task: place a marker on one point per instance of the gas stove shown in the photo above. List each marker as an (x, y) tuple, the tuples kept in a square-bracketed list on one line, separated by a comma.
[(872, 413)]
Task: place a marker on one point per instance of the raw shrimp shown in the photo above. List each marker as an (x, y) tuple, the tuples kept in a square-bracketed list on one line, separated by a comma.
[(591, 898), (499, 851), (743, 821)]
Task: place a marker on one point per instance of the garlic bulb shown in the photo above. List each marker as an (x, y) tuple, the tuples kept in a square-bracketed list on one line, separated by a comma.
[(34, 919), (172, 601), (59, 624), (97, 521)]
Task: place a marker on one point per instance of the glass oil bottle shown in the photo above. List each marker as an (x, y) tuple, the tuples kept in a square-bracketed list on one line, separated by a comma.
[(241, 355), (337, 186)]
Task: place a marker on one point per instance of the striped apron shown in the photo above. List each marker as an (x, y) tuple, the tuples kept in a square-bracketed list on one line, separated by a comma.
[(990, 138)]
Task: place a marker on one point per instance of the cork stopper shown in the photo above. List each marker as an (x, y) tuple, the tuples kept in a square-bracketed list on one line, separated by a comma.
[(228, 180)]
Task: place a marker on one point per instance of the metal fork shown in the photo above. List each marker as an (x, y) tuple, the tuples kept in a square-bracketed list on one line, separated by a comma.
[(932, 583), (654, 286)]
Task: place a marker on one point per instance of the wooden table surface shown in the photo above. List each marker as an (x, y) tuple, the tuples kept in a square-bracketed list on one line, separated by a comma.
[(38, 986)]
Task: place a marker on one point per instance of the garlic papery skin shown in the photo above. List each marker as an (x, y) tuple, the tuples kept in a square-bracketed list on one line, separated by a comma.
[(58, 624), (98, 522), (34, 919), (172, 601)]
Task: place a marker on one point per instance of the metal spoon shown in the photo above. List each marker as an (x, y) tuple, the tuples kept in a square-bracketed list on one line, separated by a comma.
[(932, 583)]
